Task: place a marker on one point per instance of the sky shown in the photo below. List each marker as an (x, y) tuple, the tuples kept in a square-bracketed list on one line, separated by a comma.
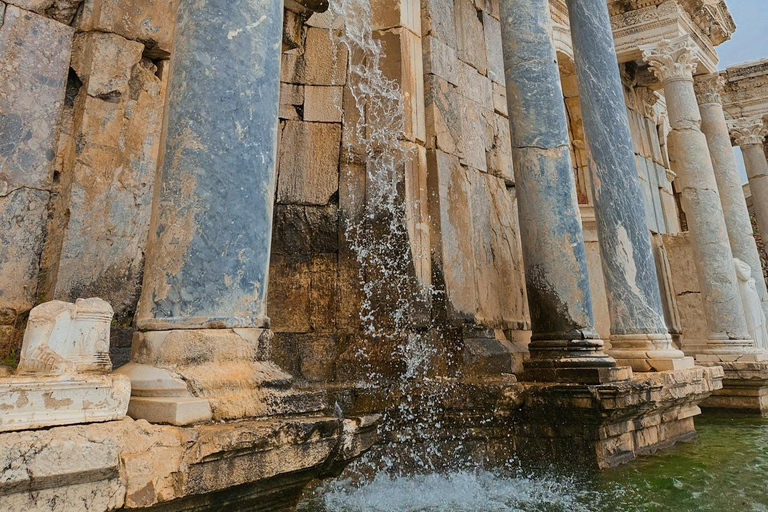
[(749, 42)]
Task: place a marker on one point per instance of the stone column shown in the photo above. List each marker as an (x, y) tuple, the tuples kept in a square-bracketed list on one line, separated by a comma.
[(749, 134), (639, 335), (673, 63), (715, 128), (564, 345), (202, 313)]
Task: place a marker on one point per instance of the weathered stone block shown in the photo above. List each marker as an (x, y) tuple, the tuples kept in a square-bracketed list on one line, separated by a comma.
[(438, 21), (309, 163), (396, 13), (35, 52), (492, 29), (109, 177), (474, 86), (440, 60), (403, 63), (289, 294), (149, 21), (322, 104), (443, 116), (475, 129), (417, 213), (500, 99), (470, 36), (323, 293), (317, 356), (60, 10), (499, 154), (321, 63)]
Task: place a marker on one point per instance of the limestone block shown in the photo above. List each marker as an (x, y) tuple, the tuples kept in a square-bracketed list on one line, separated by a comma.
[(323, 293), (291, 96), (289, 294), (475, 129), (321, 63), (438, 21), (35, 52), (317, 355), (492, 28), (322, 104), (403, 63), (60, 10), (149, 21), (474, 86), (500, 99), (499, 152), (396, 13), (110, 175), (417, 213), (308, 163), (440, 60), (452, 246), (470, 37), (443, 116)]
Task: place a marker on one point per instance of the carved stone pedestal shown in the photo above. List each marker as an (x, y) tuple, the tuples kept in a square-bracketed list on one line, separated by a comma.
[(745, 388), (190, 376), (62, 375)]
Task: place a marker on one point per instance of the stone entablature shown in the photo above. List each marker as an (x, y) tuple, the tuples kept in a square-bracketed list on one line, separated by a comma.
[(651, 21), (746, 89)]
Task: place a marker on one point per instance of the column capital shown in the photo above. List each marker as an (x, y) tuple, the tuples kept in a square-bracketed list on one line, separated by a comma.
[(672, 59), (708, 88), (747, 130)]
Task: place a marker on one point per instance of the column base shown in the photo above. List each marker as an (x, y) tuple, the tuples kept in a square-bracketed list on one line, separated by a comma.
[(577, 375), (191, 376), (37, 401), (745, 388), (648, 353), (579, 361)]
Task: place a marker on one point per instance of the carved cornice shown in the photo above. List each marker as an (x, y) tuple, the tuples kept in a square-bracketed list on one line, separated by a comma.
[(712, 17), (672, 60), (708, 88), (747, 131), (746, 89)]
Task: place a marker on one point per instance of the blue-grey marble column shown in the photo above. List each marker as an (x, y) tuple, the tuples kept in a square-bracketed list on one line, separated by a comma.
[(209, 243), (715, 128), (674, 62), (564, 345), (639, 334)]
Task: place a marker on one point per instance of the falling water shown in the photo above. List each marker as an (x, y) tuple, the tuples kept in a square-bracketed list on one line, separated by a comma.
[(415, 473)]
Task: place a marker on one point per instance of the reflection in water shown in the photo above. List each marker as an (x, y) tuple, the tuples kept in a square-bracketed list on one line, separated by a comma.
[(724, 470)]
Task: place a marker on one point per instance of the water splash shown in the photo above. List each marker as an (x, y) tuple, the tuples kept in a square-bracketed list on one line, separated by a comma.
[(395, 304)]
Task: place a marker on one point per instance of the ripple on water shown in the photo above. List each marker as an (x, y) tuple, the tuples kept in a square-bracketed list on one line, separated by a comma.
[(724, 470)]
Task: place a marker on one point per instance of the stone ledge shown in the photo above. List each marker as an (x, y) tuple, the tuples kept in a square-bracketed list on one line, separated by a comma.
[(745, 388), (134, 464)]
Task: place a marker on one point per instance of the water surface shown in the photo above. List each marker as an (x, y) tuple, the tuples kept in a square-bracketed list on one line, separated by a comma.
[(724, 470)]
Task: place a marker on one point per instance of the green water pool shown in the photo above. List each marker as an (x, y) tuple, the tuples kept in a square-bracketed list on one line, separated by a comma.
[(724, 470)]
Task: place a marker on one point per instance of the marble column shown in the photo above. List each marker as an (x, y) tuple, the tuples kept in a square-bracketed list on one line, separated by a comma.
[(639, 334), (749, 134), (203, 302), (564, 344), (674, 62), (715, 128)]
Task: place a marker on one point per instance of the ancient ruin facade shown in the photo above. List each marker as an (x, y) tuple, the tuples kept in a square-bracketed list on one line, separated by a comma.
[(525, 213)]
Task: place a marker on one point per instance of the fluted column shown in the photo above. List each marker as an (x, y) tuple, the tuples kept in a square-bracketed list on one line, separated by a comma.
[(715, 128), (673, 63), (639, 334), (564, 344), (749, 134)]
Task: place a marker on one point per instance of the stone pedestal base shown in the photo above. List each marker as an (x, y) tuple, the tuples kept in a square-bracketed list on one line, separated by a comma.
[(246, 465), (648, 353), (745, 388), (36, 401), (589, 375), (191, 376), (606, 425)]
